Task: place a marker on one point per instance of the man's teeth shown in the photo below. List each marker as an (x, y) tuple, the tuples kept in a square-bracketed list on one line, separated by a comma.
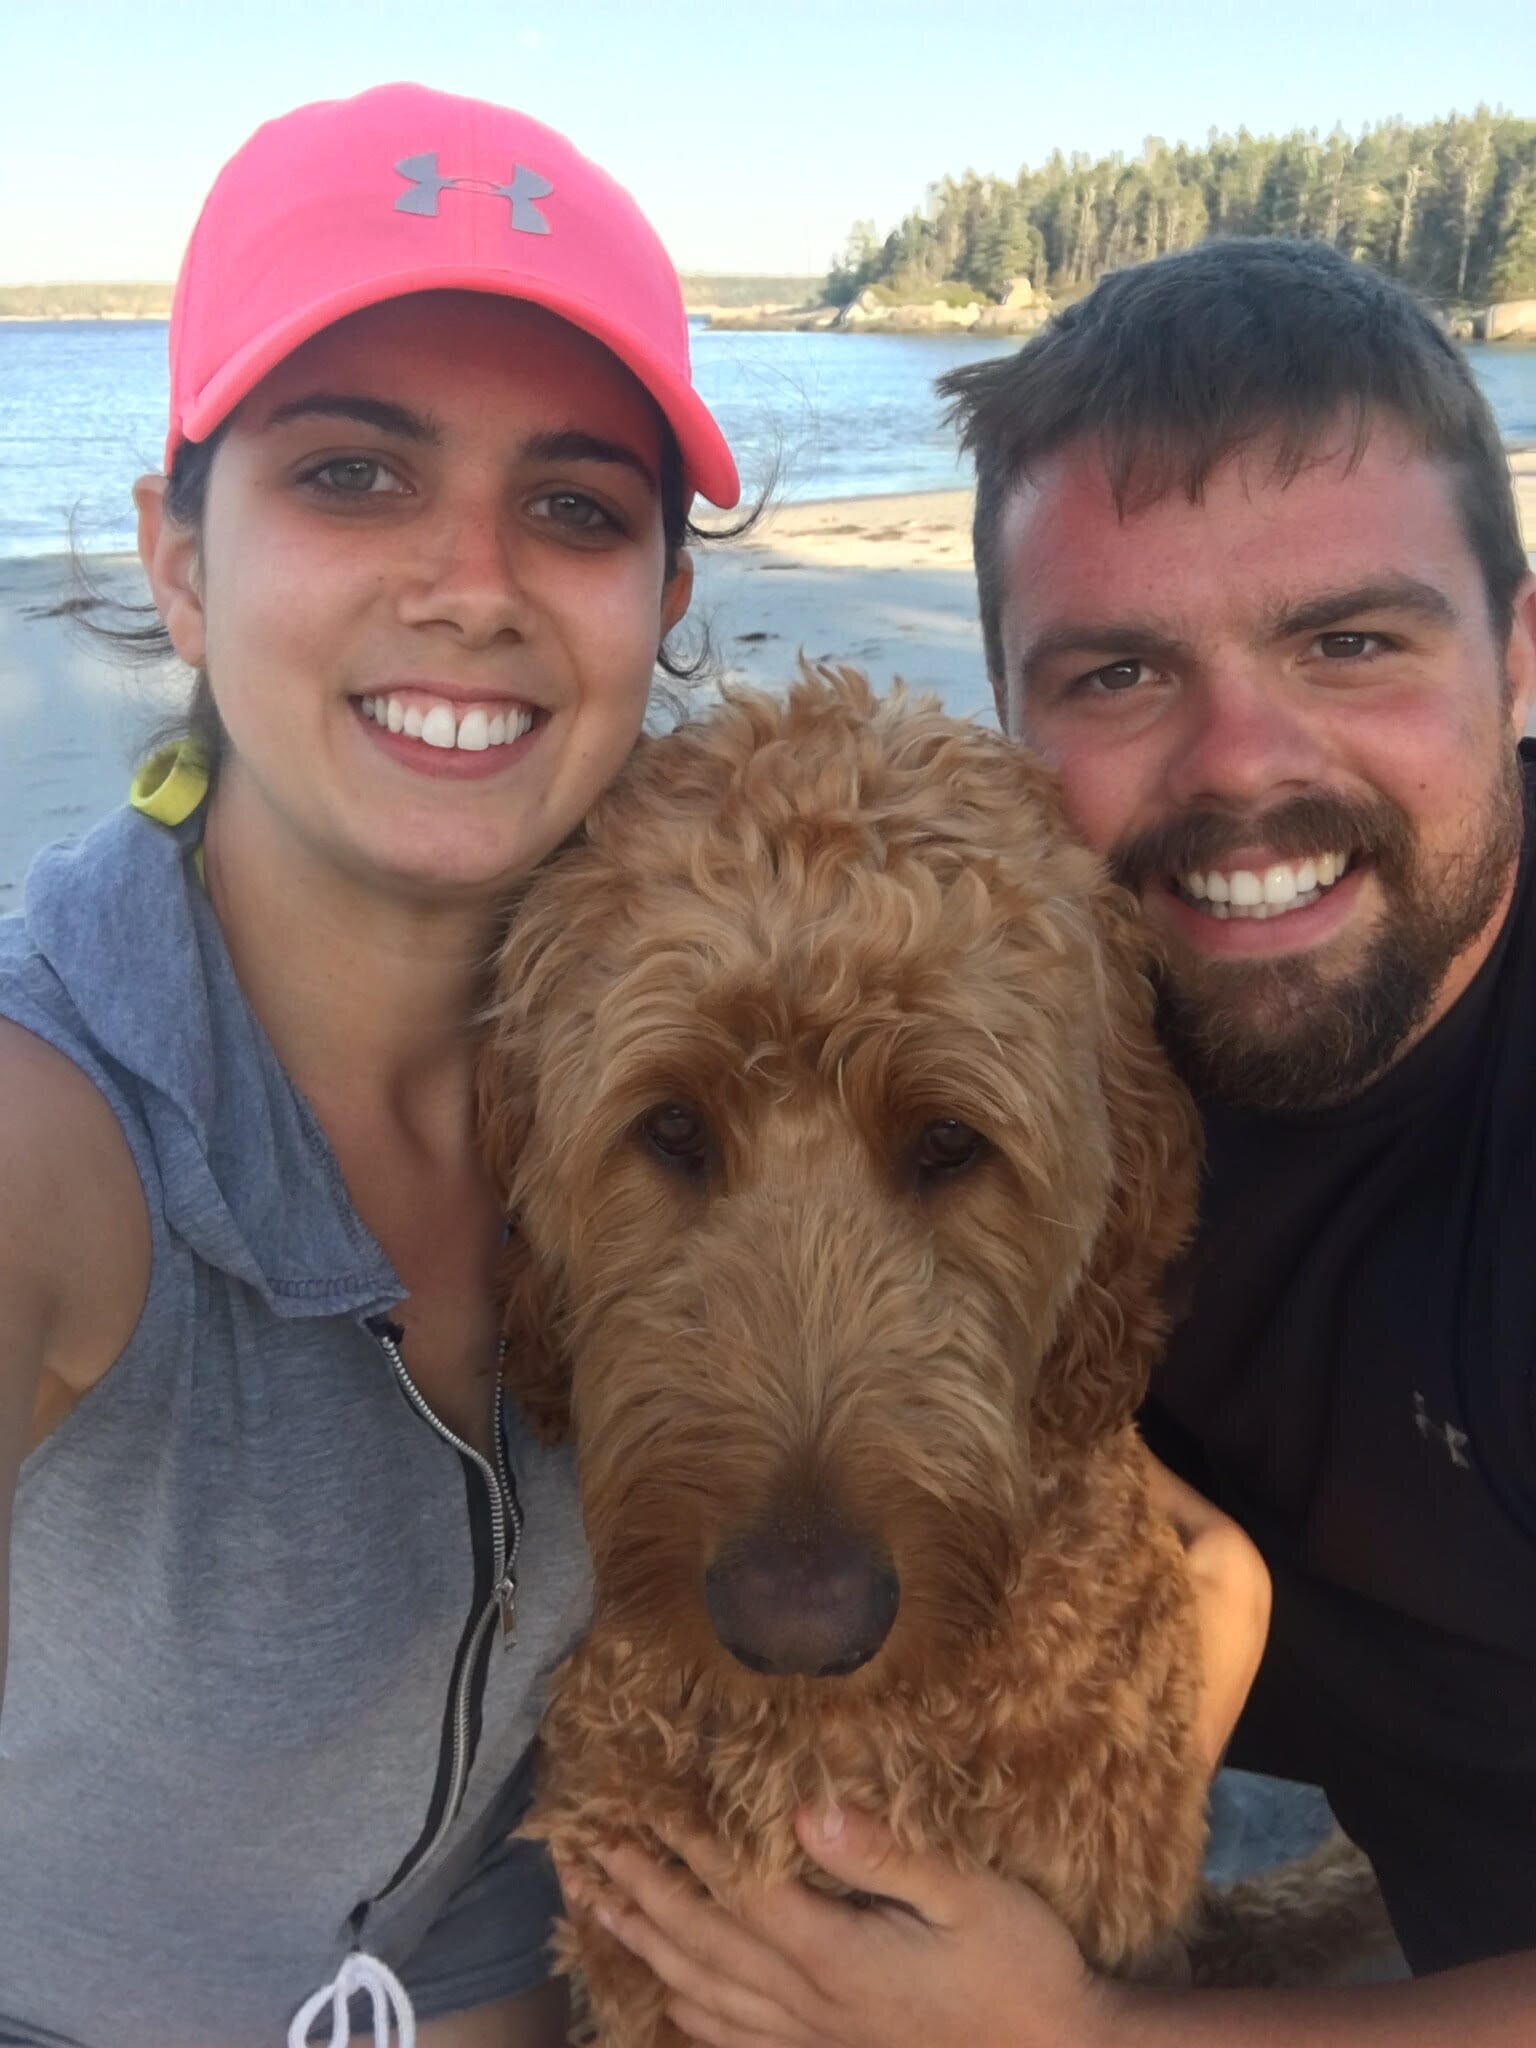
[(471, 733), (1283, 886)]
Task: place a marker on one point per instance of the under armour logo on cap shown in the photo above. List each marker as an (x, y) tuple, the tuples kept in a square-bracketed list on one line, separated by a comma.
[(525, 188)]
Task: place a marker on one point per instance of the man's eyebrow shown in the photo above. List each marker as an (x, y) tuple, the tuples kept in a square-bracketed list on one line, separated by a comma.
[(381, 413), (1114, 640), (572, 444), (1390, 594)]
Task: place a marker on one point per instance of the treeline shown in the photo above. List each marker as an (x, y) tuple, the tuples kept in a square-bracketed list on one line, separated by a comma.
[(1447, 206)]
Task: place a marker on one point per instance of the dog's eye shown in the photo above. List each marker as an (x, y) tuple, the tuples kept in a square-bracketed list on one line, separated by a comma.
[(678, 1133), (946, 1146)]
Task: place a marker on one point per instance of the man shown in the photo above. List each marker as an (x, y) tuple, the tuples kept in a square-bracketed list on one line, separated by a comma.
[(1250, 575)]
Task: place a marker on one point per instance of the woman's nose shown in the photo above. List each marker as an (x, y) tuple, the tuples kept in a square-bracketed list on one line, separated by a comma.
[(469, 580)]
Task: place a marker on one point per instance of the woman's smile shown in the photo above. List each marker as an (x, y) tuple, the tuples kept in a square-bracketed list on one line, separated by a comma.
[(432, 734)]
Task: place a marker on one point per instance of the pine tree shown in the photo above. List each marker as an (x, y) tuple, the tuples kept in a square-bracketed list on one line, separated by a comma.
[(1447, 206)]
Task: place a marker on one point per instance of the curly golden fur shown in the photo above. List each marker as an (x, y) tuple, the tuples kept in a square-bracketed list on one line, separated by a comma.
[(822, 926)]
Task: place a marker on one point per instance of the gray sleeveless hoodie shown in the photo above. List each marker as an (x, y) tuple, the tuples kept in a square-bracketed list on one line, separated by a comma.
[(260, 1708)]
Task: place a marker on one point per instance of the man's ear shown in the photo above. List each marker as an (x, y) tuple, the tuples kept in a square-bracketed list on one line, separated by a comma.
[(169, 552), (1520, 658)]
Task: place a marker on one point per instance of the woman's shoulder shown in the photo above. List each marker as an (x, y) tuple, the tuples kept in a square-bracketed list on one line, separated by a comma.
[(74, 1224)]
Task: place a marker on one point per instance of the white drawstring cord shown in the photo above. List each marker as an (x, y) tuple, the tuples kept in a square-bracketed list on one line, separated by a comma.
[(391, 2003)]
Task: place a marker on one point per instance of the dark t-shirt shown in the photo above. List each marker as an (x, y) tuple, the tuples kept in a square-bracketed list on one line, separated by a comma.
[(1353, 1376)]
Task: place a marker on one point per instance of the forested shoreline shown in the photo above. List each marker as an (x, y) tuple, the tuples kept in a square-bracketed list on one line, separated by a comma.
[(1449, 207)]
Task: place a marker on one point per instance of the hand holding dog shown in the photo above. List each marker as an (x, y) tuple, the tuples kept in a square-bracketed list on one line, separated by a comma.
[(974, 1960), (942, 1960)]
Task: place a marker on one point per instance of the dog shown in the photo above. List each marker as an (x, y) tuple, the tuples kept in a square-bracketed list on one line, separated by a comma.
[(820, 1079)]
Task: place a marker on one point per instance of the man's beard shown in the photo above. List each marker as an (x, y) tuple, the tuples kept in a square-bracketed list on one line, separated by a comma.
[(1282, 1035)]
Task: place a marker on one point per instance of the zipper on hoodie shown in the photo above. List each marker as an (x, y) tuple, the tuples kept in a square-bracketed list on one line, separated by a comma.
[(496, 1537)]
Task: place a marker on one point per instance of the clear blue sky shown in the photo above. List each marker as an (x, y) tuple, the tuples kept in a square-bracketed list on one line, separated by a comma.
[(754, 132)]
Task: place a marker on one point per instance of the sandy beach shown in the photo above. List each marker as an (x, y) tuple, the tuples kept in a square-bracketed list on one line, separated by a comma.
[(884, 582)]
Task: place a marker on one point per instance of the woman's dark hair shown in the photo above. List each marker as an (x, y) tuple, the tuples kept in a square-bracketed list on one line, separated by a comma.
[(138, 633), (1172, 366)]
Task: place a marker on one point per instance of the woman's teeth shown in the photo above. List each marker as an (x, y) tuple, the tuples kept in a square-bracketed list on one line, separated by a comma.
[(439, 726), (1284, 886)]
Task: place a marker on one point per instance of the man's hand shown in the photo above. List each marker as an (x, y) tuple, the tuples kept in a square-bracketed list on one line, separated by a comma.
[(940, 1960), (1231, 1587)]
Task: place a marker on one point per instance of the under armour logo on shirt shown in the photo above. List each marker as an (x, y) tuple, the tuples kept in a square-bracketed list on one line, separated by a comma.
[(1453, 1439), (525, 188)]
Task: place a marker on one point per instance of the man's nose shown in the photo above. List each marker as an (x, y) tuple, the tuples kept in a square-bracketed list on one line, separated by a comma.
[(470, 577), (1246, 737)]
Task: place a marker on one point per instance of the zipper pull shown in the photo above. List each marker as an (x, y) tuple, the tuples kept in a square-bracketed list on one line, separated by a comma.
[(506, 1600)]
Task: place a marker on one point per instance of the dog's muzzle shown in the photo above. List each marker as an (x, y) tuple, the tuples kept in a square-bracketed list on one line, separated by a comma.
[(815, 1600)]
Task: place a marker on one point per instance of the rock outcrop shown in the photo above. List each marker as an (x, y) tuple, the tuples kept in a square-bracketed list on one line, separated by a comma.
[(1512, 320), (1021, 311)]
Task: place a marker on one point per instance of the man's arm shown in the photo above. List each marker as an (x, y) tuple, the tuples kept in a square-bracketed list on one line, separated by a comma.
[(1484, 2005), (973, 1961), (1231, 1589)]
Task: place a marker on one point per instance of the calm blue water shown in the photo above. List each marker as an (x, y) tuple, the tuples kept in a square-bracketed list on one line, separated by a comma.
[(82, 413)]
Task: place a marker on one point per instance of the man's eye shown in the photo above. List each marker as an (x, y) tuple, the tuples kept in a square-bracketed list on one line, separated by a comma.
[(575, 511), (1348, 646), (354, 476), (1115, 678)]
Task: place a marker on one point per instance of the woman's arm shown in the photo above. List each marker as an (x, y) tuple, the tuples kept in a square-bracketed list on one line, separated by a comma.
[(74, 1254), (538, 2019)]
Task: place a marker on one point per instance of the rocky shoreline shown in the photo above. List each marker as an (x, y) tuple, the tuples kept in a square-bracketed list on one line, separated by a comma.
[(1020, 312), (1023, 311)]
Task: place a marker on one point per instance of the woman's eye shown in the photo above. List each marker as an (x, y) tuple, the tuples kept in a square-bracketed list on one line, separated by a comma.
[(354, 476), (575, 511)]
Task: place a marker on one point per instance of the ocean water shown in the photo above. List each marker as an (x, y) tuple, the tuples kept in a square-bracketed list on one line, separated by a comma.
[(82, 413)]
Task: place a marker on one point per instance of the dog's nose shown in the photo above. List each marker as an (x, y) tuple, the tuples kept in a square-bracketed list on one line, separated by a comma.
[(818, 1601)]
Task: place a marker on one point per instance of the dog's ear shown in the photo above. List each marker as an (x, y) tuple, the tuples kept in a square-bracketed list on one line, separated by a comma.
[(1112, 1332), (535, 1369)]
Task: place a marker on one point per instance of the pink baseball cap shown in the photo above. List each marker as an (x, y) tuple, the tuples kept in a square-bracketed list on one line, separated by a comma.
[(346, 203)]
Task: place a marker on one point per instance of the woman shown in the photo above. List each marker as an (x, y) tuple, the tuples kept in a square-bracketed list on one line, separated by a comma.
[(286, 1579)]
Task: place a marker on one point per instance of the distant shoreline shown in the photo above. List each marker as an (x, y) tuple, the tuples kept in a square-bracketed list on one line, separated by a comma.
[(81, 319), (704, 292)]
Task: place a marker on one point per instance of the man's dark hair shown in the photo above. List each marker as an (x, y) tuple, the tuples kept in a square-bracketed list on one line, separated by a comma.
[(1173, 366)]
